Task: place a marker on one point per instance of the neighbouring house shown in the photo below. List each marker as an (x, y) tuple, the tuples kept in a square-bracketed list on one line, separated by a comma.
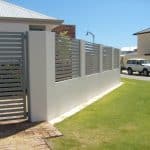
[(143, 40), (43, 76), (68, 30), (17, 19)]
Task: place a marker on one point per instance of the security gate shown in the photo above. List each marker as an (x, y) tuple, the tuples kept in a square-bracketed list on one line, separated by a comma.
[(13, 77)]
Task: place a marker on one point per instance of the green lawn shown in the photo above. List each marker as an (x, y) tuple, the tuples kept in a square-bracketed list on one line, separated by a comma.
[(119, 121)]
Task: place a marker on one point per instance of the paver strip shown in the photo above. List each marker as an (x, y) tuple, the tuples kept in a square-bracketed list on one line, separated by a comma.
[(26, 136)]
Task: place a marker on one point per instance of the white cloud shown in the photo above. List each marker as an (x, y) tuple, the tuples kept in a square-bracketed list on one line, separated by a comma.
[(131, 48)]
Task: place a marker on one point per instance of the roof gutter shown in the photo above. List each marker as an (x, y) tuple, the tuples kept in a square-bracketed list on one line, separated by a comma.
[(141, 33), (34, 20)]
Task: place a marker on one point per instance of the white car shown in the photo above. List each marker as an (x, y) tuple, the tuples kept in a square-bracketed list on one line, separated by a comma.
[(138, 65)]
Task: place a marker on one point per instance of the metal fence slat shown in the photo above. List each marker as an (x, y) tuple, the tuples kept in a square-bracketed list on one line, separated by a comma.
[(12, 118), (11, 93), (10, 36), (6, 85), (9, 80), (67, 58), (10, 89), (11, 97), (11, 106), (11, 110), (10, 49), (11, 101), (12, 114)]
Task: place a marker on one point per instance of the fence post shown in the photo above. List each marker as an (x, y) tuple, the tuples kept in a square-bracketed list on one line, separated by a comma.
[(82, 58), (50, 58), (37, 75), (119, 59), (101, 58), (112, 58)]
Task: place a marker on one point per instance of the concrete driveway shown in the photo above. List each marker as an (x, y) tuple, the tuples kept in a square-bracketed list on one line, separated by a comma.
[(135, 76)]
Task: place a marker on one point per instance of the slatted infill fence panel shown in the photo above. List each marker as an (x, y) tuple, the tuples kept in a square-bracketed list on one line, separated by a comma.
[(67, 58), (116, 58), (107, 58), (92, 58), (12, 77)]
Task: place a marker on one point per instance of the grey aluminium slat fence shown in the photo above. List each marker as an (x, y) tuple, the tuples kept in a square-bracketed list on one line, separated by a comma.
[(67, 58), (107, 58), (92, 58), (116, 58)]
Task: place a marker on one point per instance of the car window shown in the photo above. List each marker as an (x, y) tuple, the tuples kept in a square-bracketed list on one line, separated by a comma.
[(146, 62), (138, 62), (142, 61), (134, 62)]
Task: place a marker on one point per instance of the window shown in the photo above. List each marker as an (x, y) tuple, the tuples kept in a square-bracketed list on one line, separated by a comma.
[(134, 62), (138, 62), (36, 28), (131, 62)]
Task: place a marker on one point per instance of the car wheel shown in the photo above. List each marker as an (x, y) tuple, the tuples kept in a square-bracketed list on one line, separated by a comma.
[(145, 72), (130, 72)]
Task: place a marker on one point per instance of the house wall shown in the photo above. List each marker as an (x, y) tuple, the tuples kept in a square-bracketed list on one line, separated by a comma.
[(13, 27), (50, 99), (143, 44), (20, 27)]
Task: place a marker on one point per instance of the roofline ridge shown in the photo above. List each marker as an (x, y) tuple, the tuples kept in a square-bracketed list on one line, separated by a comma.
[(28, 10)]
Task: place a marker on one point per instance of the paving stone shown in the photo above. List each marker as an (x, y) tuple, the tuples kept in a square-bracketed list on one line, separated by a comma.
[(26, 136)]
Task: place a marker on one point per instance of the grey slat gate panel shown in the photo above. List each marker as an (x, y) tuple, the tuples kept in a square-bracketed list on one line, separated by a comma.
[(13, 97)]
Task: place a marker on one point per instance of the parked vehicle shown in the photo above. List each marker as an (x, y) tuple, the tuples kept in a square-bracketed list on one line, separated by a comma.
[(138, 65)]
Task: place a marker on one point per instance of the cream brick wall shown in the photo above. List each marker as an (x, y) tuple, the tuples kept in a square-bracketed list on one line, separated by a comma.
[(143, 43)]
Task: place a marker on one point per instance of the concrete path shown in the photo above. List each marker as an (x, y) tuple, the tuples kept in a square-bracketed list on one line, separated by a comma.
[(135, 76), (26, 136)]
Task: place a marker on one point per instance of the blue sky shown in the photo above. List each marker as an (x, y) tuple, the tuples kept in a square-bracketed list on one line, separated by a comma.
[(112, 21)]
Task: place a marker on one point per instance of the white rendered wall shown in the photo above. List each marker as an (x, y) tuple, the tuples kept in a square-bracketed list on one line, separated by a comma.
[(68, 94), (37, 75), (50, 99)]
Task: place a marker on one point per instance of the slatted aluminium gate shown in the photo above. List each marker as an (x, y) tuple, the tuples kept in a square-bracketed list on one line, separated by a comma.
[(13, 77)]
